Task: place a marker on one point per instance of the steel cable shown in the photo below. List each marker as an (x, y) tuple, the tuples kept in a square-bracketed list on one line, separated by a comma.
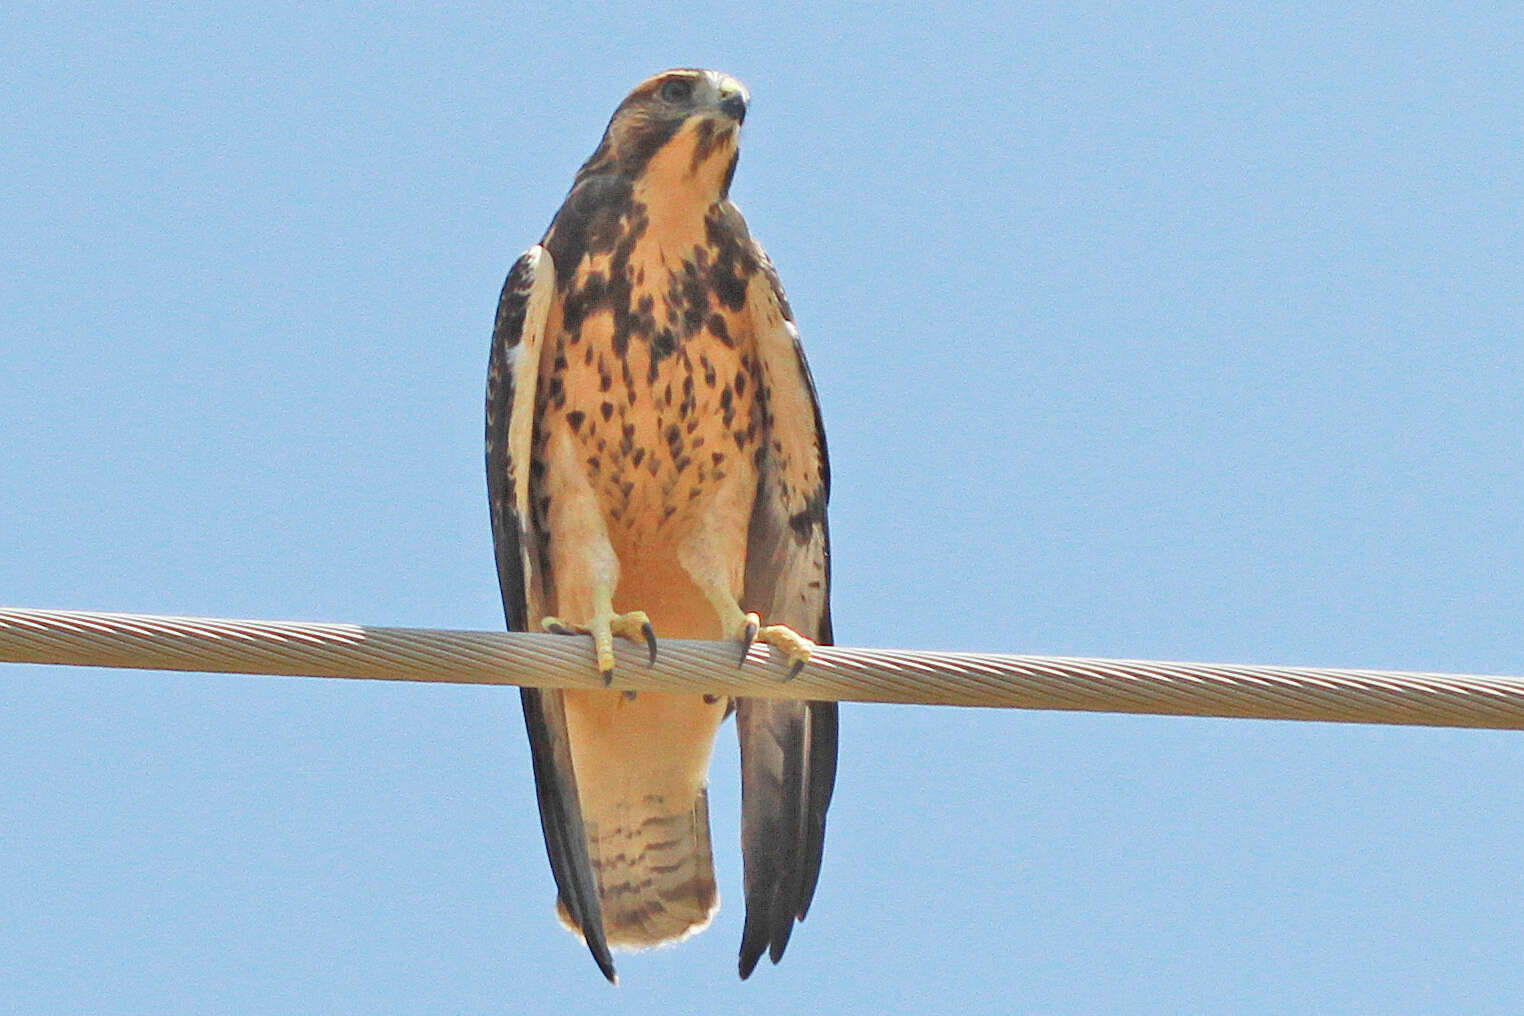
[(220, 645)]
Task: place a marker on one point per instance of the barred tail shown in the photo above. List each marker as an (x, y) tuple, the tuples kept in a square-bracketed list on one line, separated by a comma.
[(655, 872)]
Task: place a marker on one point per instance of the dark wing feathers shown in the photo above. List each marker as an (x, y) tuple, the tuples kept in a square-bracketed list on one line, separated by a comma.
[(511, 376), (821, 781), (507, 334), (786, 780), (555, 784), (788, 749)]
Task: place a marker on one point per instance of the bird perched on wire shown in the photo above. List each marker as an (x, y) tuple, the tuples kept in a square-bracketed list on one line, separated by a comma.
[(656, 464)]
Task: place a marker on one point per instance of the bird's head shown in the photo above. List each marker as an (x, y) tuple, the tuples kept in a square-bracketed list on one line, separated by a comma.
[(677, 129)]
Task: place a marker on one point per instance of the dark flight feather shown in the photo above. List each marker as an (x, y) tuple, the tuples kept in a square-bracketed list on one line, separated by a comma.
[(788, 749), (544, 717)]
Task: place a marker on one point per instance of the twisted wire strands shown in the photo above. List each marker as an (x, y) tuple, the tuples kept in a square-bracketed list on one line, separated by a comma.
[(220, 645)]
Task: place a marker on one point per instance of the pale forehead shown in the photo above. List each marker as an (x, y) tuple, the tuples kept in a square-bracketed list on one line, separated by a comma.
[(719, 81)]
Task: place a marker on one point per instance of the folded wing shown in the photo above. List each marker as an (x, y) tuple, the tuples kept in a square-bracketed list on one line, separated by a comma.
[(788, 749), (513, 371)]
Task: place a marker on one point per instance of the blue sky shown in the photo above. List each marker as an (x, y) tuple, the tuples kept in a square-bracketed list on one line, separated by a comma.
[(1181, 331)]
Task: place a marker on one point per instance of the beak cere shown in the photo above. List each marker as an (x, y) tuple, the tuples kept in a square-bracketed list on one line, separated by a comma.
[(733, 97)]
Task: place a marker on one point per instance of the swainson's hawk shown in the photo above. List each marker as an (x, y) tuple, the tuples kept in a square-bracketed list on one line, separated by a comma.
[(656, 464)]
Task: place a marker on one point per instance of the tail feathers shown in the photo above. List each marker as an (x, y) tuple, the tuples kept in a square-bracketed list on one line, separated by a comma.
[(655, 873)]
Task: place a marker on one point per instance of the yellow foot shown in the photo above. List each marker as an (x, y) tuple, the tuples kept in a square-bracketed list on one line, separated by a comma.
[(795, 647), (635, 626)]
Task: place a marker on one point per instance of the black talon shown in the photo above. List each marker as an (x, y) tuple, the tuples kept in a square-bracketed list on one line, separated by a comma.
[(746, 641), (793, 671), (560, 629), (608, 676), (650, 634)]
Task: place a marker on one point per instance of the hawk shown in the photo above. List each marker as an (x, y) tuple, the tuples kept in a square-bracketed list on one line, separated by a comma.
[(656, 463)]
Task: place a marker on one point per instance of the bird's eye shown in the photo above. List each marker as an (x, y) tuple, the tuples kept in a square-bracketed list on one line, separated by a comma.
[(676, 90)]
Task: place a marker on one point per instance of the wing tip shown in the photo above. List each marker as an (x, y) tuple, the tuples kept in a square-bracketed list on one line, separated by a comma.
[(597, 945), (751, 952), (769, 933)]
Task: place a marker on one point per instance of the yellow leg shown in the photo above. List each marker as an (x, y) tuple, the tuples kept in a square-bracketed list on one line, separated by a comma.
[(747, 628), (711, 558), (604, 627)]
